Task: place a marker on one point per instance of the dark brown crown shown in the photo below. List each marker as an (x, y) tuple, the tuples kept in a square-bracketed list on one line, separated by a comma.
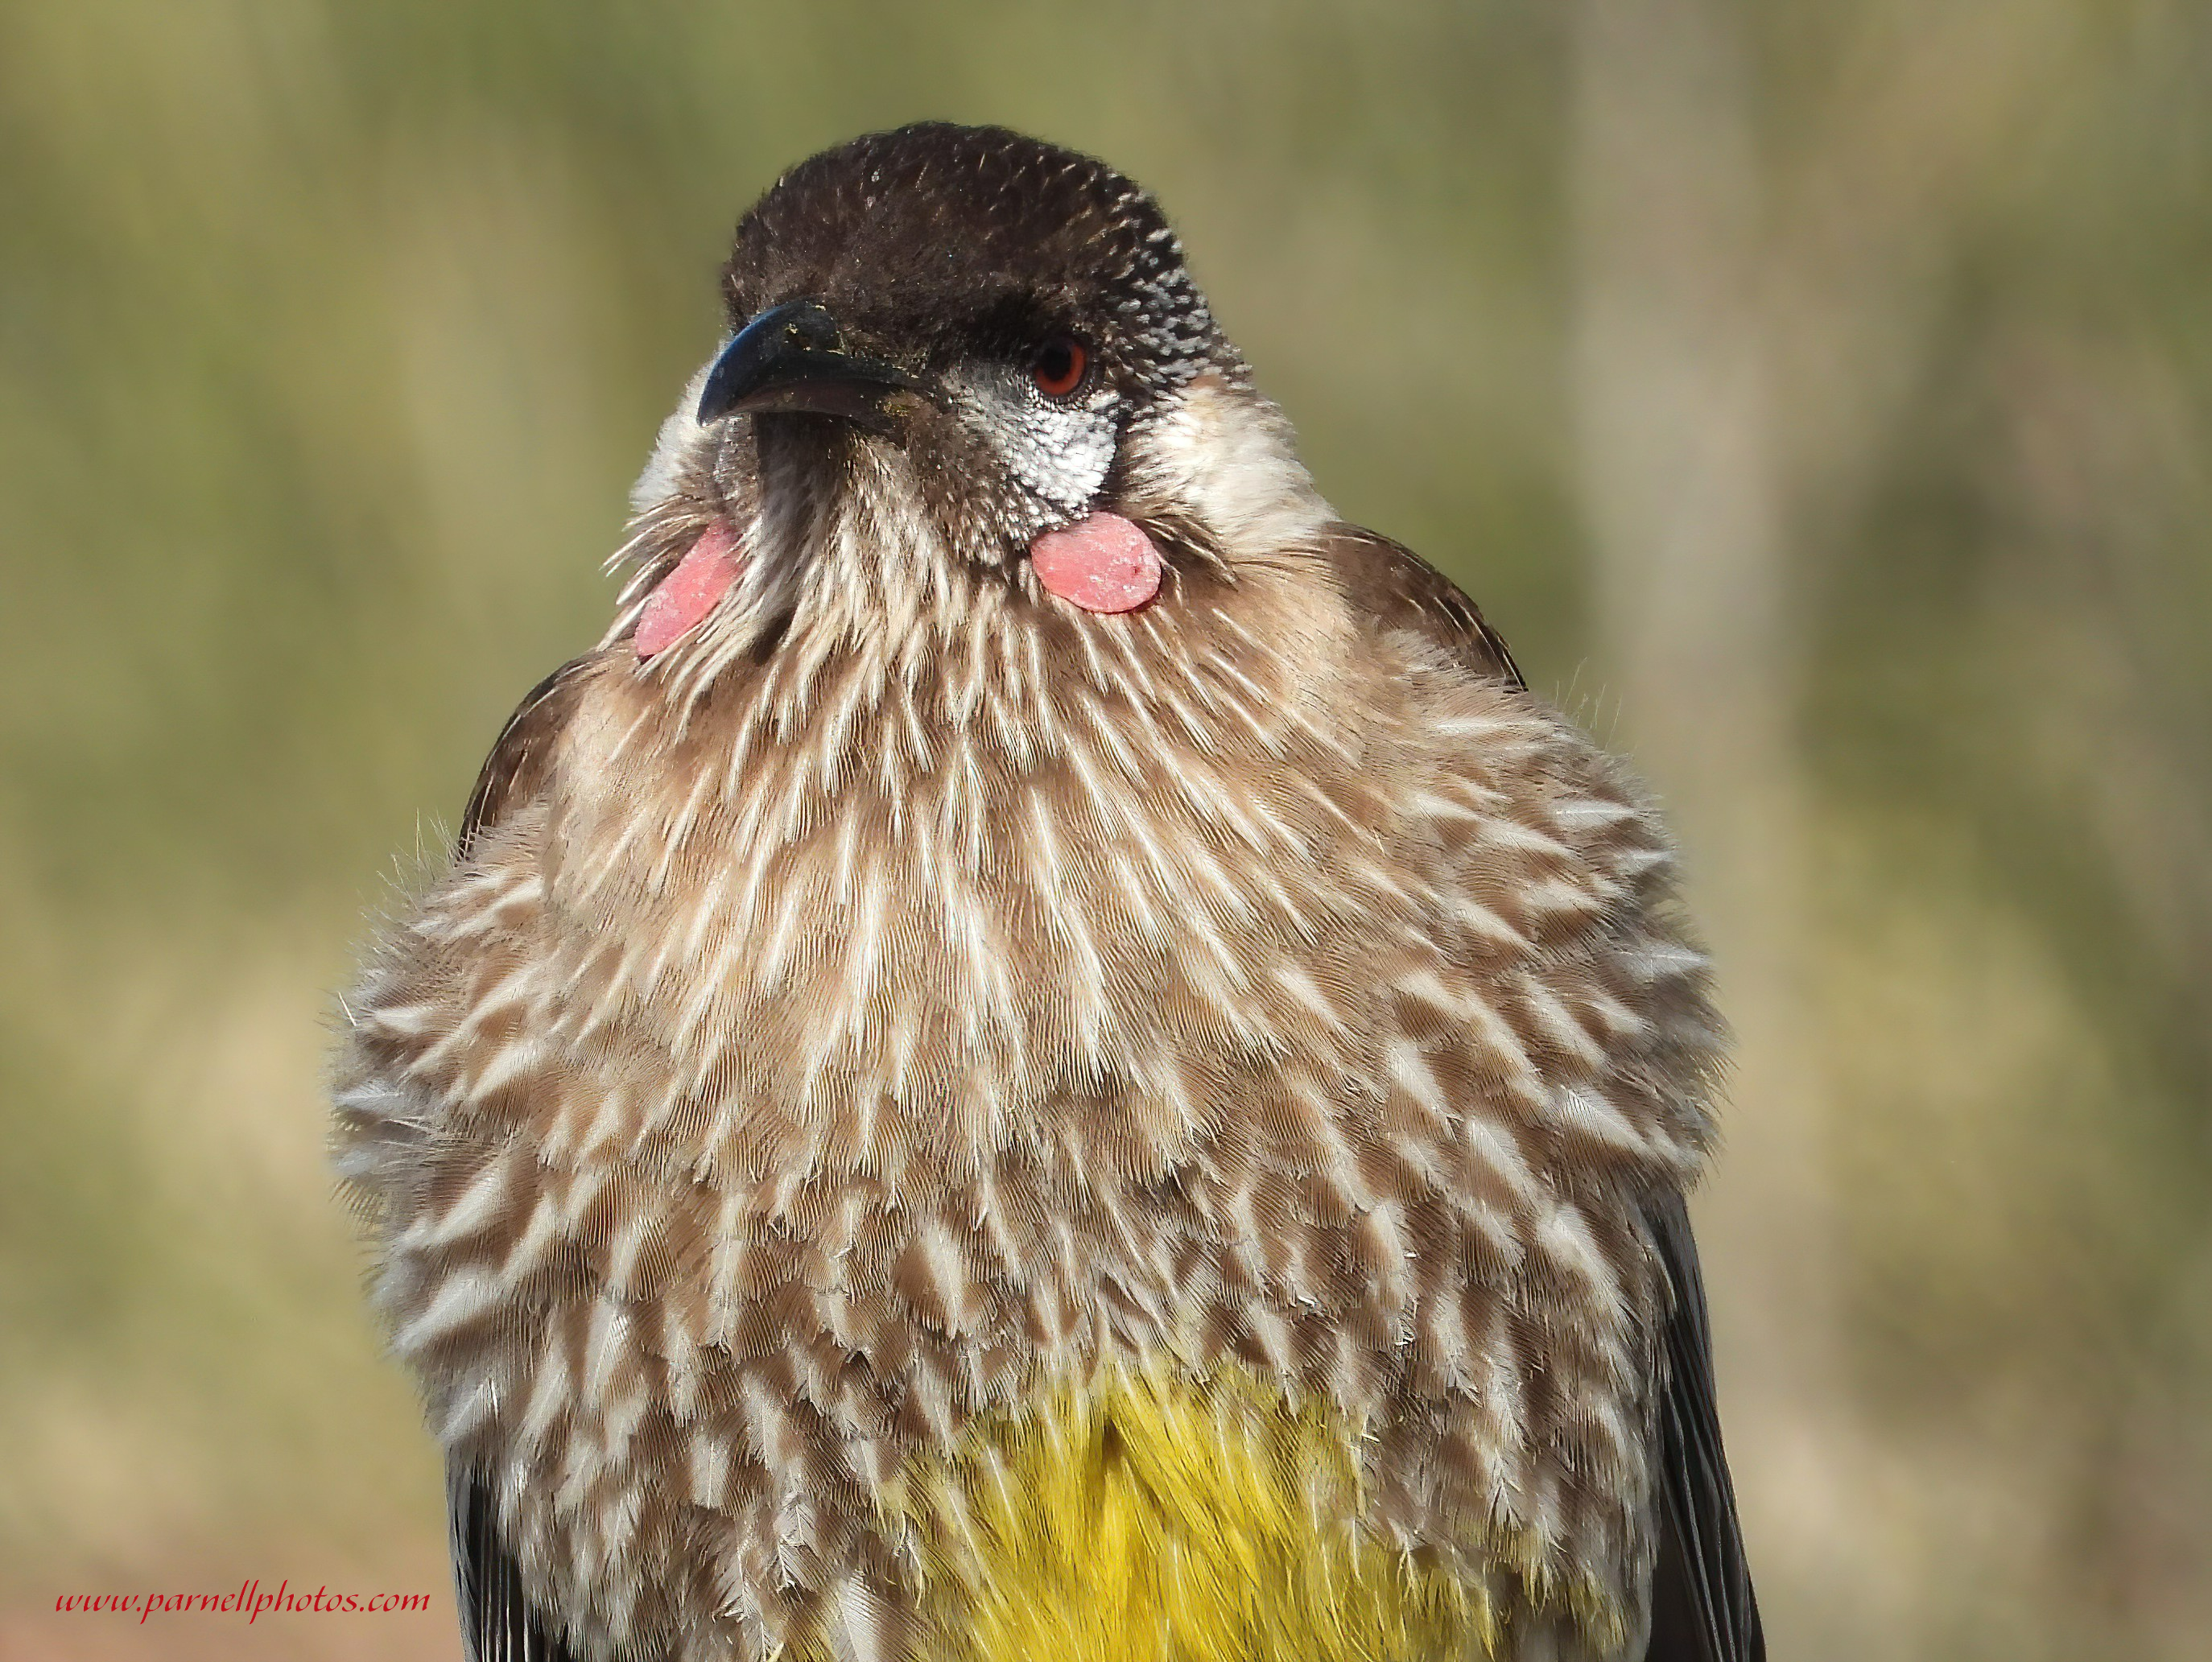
[(939, 239)]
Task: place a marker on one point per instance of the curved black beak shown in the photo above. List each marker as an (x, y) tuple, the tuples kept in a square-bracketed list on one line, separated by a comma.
[(793, 357)]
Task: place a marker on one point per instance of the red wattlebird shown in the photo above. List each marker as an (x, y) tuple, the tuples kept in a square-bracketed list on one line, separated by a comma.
[(1043, 1053)]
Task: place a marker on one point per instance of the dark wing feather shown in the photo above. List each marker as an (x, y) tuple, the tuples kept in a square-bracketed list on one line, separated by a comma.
[(516, 766), (1703, 1609), (1401, 591), (498, 1622)]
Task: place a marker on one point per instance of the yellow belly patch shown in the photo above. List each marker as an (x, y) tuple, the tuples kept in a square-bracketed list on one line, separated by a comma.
[(1150, 1518)]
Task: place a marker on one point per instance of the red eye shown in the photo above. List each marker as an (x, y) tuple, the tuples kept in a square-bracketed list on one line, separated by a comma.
[(1059, 368)]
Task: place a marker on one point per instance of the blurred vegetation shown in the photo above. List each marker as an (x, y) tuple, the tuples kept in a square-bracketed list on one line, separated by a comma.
[(330, 335)]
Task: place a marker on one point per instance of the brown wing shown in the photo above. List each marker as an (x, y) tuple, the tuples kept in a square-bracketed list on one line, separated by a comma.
[(1401, 591), (1703, 1606), (516, 766)]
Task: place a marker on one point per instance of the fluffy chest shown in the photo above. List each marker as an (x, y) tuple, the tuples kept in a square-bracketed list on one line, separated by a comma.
[(946, 905), (760, 1121)]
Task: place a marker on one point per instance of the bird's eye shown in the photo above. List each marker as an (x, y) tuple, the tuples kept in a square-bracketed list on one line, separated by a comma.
[(1059, 368)]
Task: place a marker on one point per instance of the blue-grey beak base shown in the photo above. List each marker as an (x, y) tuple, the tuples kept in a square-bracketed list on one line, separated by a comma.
[(793, 358)]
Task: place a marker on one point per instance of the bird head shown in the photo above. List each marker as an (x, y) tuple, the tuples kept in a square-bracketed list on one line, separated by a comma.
[(945, 344)]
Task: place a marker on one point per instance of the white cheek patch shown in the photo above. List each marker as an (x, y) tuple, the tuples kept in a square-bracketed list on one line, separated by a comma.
[(679, 436), (1059, 452)]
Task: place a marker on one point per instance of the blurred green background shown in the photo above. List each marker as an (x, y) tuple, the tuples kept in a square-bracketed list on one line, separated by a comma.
[(1818, 392)]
